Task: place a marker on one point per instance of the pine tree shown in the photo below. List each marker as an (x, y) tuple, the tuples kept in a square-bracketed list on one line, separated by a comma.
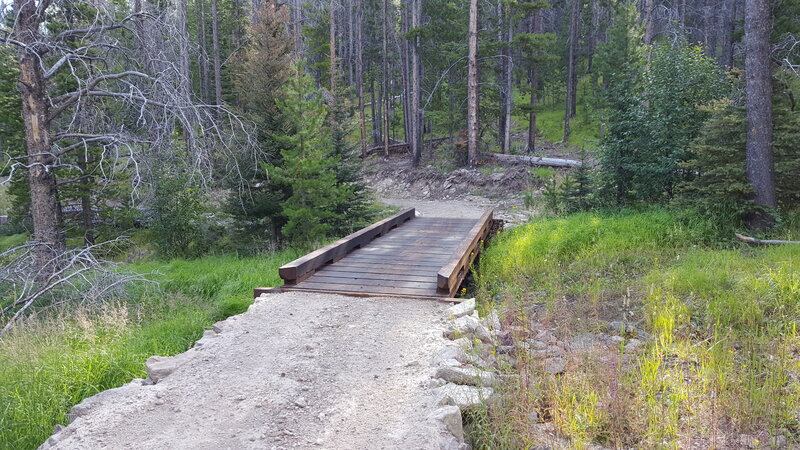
[(309, 169), (351, 211)]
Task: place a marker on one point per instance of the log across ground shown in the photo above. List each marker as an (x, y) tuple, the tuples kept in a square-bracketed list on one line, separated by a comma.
[(403, 256)]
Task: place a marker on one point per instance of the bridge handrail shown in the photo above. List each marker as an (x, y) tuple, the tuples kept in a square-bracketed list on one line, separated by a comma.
[(452, 274), (304, 266)]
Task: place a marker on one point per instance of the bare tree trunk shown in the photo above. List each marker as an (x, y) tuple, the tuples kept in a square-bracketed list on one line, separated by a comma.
[(508, 74), (206, 81), (571, 65), (332, 44), (86, 199), (758, 71), (215, 49), (375, 109), (416, 93), (710, 28), (649, 28), (472, 86), (48, 230), (727, 30), (386, 95), (360, 77), (533, 76)]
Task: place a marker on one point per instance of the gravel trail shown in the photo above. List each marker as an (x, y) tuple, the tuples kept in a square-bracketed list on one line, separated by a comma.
[(297, 370)]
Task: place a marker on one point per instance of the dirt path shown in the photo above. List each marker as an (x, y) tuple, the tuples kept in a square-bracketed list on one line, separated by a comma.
[(296, 371)]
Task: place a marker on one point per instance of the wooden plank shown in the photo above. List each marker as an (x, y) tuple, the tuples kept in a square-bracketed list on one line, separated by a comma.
[(368, 282), (334, 287), (397, 257), (424, 278), (397, 249), (436, 297), (346, 264), (453, 272), (305, 265)]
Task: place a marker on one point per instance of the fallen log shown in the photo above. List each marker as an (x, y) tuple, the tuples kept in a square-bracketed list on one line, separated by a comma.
[(532, 160), (756, 241)]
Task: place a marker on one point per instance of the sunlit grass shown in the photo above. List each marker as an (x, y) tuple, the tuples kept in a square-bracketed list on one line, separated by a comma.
[(721, 360)]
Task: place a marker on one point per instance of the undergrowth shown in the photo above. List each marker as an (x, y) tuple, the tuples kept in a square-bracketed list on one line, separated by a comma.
[(720, 365), (65, 355)]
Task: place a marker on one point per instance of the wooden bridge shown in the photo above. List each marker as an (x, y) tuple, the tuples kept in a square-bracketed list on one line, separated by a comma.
[(401, 256)]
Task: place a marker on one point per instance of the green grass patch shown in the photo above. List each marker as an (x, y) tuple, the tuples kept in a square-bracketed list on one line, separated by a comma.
[(14, 240), (584, 128), (722, 357)]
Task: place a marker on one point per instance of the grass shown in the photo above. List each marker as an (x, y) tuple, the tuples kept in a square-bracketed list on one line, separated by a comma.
[(5, 199), (584, 128), (721, 361), (14, 240), (60, 358)]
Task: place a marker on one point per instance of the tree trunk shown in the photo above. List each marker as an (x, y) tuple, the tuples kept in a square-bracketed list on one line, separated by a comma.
[(649, 28), (758, 71), (472, 86), (533, 76), (727, 30), (386, 95), (360, 77), (332, 44), (48, 230), (710, 28), (215, 49), (416, 92), (201, 38), (508, 73), (571, 65)]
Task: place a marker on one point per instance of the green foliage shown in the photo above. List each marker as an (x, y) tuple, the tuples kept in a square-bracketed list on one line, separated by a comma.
[(653, 120), (178, 218), (264, 68), (717, 184), (309, 168)]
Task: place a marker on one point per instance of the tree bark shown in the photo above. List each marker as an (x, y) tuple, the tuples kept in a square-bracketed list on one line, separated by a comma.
[(360, 77), (386, 95), (759, 158), (533, 76), (472, 86), (508, 73), (332, 44), (416, 92), (727, 30), (571, 66), (48, 230), (215, 50), (201, 38)]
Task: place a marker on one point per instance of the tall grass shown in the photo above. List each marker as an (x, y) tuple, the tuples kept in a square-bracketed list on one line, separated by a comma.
[(60, 358), (720, 365)]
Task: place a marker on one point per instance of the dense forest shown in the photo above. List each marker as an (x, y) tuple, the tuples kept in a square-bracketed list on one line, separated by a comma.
[(135, 133)]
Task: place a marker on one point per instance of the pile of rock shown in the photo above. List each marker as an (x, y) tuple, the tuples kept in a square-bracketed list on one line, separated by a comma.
[(466, 369)]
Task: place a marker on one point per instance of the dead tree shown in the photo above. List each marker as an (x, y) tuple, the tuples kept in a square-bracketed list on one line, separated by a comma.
[(472, 86), (136, 110)]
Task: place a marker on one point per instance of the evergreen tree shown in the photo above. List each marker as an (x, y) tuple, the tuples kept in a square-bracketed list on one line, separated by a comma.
[(352, 211), (309, 169)]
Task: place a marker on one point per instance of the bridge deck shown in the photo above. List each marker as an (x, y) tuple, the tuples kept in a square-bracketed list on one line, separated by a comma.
[(403, 256)]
